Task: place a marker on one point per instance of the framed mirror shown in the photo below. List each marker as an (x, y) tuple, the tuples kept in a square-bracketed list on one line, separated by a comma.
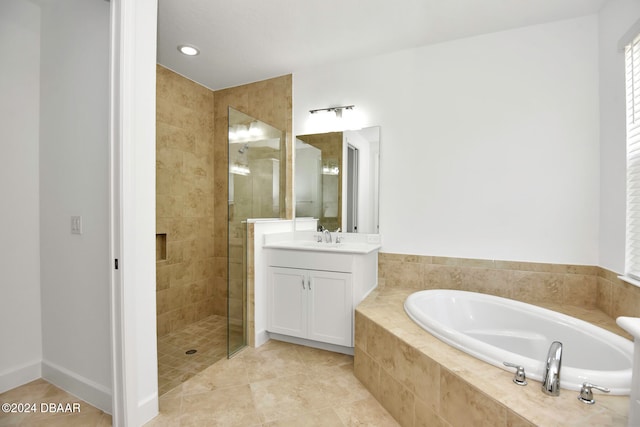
[(337, 179)]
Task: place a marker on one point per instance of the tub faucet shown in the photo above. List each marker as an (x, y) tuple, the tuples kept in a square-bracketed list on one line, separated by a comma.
[(327, 235), (551, 377)]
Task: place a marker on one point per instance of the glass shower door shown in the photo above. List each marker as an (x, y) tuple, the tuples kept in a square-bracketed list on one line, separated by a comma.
[(256, 182)]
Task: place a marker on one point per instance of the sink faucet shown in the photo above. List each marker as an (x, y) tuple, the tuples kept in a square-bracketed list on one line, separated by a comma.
[(551, 377), (327, 235)]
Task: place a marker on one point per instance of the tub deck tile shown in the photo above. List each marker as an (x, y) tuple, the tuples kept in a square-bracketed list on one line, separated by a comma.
[(469, 389)]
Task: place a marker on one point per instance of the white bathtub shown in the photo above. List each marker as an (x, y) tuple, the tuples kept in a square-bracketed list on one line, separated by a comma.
[(498, 330)]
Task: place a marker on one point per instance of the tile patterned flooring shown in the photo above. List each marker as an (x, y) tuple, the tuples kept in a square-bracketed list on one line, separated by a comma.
[(208, 336), (41, 392), (276, 385)]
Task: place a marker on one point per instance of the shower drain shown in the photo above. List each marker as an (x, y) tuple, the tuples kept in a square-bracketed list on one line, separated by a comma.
[(192, 351)]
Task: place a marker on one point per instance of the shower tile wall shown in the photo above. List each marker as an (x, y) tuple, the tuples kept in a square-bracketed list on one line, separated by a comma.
[(270, 102), (185, 290)]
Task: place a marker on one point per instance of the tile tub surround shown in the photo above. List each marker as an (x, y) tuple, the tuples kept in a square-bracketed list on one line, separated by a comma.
[(422, 381), (536, 283)]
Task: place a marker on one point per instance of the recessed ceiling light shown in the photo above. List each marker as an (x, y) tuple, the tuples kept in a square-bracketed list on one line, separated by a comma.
[(188, 50)]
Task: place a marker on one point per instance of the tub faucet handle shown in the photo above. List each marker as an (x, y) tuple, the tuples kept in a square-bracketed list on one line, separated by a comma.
[(520, 378), (586, 395)]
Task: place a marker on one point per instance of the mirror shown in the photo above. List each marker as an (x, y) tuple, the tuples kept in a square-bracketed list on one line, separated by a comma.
[(337, 179)]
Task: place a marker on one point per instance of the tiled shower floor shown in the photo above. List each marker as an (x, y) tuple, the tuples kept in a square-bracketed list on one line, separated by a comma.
[(207, 336)]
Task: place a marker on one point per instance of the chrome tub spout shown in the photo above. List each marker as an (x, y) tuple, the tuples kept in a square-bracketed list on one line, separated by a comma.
[(551, 378)]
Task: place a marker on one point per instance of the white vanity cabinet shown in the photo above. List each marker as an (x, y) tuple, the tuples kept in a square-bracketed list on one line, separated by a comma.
[(311, 304), (312, 293)]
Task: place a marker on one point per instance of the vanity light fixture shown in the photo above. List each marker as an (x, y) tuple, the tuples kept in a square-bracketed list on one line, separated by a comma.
[(188, 50), (336, 110)]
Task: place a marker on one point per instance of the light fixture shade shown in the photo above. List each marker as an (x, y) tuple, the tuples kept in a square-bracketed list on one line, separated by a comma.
[(188, 50)]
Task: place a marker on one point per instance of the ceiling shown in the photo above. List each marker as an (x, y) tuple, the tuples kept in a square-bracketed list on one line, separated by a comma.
[(243, 41)]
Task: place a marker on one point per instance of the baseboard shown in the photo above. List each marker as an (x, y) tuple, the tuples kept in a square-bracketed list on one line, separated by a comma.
[(148, 409), (20, 375), (310, 343), (83, 388), (261, 338)]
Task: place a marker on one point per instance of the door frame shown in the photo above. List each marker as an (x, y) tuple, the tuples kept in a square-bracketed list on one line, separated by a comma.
[(132, 211)]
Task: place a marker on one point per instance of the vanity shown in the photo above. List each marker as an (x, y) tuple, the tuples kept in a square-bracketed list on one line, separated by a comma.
[(314, 286), (315, 280)]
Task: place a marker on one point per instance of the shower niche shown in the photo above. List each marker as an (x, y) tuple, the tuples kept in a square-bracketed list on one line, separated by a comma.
[(256, 190)]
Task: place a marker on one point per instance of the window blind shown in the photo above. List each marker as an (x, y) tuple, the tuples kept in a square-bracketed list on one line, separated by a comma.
[(632, 71)]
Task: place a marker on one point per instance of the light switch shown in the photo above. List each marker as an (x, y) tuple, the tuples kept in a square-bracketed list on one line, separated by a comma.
[(76, 224)]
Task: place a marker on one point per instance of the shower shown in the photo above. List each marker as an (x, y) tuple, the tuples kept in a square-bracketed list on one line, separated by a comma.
[(255, 190)]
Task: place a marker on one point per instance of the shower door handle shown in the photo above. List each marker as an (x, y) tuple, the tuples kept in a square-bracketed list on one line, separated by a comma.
[(303, 283)]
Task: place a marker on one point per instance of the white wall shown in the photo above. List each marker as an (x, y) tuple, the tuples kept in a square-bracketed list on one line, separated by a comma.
[(489, 144), (74, 155), (20, 333), (615, 18)]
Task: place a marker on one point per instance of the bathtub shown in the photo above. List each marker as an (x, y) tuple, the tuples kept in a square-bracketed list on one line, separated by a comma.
[(498, 330)]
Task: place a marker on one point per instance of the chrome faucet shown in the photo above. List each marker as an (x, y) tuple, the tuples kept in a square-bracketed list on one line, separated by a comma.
[(551, 377), (327, 235)]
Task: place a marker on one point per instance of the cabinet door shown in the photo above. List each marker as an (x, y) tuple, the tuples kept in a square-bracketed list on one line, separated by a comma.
[(287, 301), (330, 307)]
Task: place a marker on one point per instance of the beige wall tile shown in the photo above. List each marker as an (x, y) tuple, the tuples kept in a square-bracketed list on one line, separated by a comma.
[(163, 275), (534, 287), (442, 277), (464, 405), (487, 281), (579, 285), (402, 274), (397, 399), (465, 262), (184, 194), (381, 345), (604, 299), (360, 334), (425, 416), (626, 301), (418, 373), (367, 371), (580, 290), (168, 136)]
